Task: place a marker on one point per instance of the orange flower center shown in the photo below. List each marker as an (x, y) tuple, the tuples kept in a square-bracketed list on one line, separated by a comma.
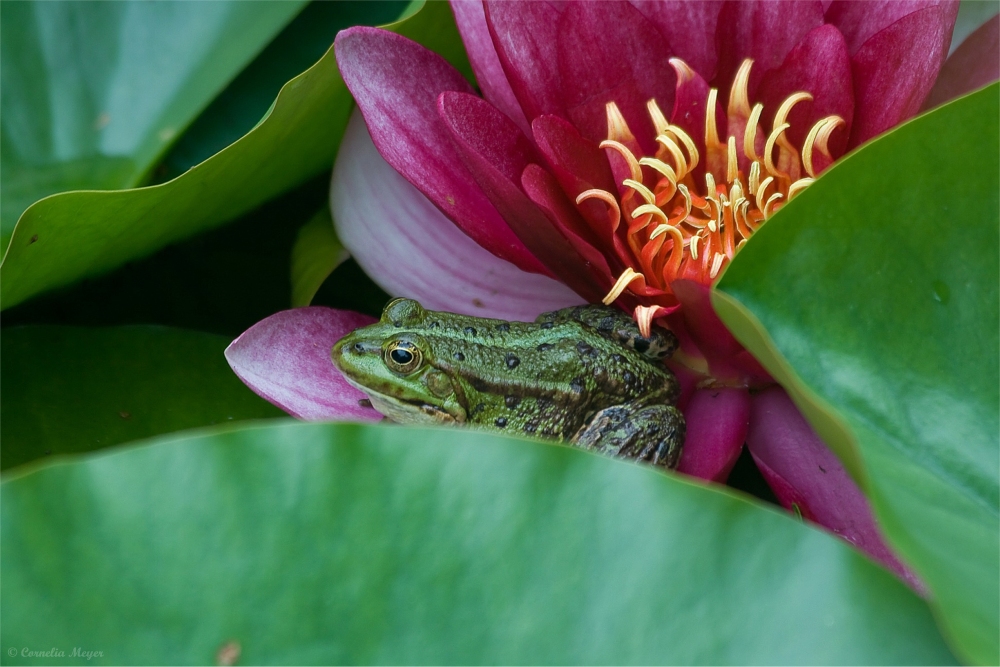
[(680, 226)]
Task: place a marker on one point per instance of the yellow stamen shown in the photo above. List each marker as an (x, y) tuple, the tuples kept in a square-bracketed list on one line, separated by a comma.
[(798, 186), (659, 120), (733, 165), (819, 135), (660, 166), (750, 134), (622, 150), (624, 280), (675, 152), (605, 197), (767, 206), (711, 130), (651, 209), (739, 101), (769, 150), (643, 191), (692, 150), (716, 264), (754, 181), (786, 107), (618, 129), (663, 229), (762, 188), (693, 247)]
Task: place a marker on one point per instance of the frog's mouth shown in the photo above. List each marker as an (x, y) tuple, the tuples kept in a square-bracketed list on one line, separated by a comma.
[(402, 411)]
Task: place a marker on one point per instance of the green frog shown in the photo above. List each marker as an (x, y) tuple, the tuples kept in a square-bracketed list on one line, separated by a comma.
[(583, 375)]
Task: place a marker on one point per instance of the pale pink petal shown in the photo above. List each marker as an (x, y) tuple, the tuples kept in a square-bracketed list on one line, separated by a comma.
[(411, 249), (717, 421), (471, 20), (396, 83), (808, 477), (973, 65), (286, 360)]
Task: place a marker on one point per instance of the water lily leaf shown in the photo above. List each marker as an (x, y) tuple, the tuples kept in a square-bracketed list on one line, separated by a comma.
[(349, 544), (75, 234), (873, 296), (75, 389), (245, 101), (95, 92), (316, 253)]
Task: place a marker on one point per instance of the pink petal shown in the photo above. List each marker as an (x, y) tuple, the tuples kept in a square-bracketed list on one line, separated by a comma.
[(896, 68), (689, 29), (542, 188), (610, 51), (859, 21), (801, 470), (820, 65), (471, 20), (690, 100), (717, 422), (411, 249), (973, 65), (286, 360), (763, 30), (524, 36), (496, 153), (396, 83)]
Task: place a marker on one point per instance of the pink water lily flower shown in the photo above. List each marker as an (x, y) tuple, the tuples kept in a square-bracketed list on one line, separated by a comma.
[(621, 152)]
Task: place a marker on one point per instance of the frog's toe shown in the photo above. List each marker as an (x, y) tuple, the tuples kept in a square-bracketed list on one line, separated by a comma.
[(654, 434)]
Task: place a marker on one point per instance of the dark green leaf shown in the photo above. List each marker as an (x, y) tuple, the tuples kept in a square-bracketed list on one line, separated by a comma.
[(874, 298), (317, 252), (75, 234), (71, 389), (324, 543), (94, 92)]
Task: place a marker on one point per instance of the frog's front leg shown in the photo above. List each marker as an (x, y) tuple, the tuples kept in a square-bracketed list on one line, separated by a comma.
[(651, 433)]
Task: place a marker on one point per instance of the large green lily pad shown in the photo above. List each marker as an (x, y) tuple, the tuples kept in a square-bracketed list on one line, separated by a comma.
[(874, 298), (339, 543), (95, 92), (75, 389), (72, 235)]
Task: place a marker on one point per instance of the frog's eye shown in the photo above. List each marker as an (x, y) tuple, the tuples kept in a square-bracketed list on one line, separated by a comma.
[(403, 357)]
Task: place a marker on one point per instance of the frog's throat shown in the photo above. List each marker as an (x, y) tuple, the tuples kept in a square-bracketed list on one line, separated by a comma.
[(403, 412)]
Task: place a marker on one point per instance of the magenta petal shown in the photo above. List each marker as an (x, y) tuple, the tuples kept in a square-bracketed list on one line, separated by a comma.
[(471, 20), (859, 21), (717, 421), (821, 65), (973, 65), (689, 28), (896, 68), (286, 360), (411, 249), (496, 153), (708, 331), (396, 83), (803, 471), (524, 35), (610, 51), (763, 30)]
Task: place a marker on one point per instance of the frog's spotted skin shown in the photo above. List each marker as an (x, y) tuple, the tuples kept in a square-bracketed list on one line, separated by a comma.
[(583, 375)]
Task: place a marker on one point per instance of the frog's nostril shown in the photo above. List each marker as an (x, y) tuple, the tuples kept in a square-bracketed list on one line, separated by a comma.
[(359, 347)]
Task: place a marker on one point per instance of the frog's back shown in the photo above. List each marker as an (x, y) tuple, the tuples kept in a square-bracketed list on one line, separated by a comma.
[(546, 378)]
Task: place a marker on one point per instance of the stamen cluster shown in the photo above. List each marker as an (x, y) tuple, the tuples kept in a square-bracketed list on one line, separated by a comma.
[(686, 222)]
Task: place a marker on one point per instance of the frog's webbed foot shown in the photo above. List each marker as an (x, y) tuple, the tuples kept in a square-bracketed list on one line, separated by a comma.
[(617, 325), (654, 434)]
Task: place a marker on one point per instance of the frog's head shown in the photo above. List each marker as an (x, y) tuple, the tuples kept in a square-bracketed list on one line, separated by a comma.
[(394, 365)]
